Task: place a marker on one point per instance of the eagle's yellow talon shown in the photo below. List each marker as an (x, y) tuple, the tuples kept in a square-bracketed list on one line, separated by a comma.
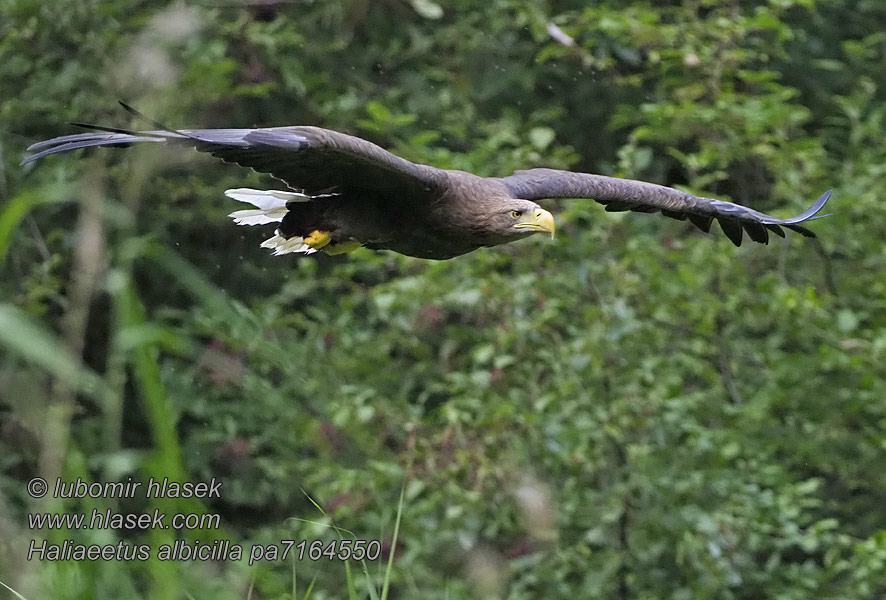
[(317, 239)]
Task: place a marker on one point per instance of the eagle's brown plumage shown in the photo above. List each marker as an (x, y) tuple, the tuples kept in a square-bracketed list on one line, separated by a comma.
[(364, 194)]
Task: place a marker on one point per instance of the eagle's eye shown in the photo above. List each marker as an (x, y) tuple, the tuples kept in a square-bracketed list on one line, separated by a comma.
[(516, 214)]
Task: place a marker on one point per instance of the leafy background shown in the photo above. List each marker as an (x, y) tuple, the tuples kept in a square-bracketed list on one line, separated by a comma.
[(635, 410)]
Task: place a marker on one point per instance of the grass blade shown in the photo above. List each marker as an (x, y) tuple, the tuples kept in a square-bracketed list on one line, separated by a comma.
[(22, 336), (387, 580)]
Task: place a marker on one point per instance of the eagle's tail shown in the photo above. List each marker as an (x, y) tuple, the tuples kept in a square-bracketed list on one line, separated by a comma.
[(270, 207)]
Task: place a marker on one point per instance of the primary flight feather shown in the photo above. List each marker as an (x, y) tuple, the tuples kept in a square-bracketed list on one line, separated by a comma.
[(345, 192)]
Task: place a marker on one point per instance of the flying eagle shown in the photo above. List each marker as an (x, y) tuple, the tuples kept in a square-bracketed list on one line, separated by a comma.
[(345, 192)]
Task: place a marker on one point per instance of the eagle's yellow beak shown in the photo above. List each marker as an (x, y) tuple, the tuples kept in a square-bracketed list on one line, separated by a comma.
[(538, 220)]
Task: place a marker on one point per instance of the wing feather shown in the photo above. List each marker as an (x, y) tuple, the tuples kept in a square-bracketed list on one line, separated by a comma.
[(305, 158), (775, 229), (731, 228), (674, 215), (756, 232), (639, 196), (702, 222), (615, 206)]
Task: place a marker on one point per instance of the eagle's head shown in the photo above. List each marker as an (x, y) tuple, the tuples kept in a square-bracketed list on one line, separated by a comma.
[(516, 218)]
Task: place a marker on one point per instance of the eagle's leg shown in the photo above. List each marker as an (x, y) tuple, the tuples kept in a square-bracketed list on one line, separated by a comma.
[(318, 239), (342, 247)]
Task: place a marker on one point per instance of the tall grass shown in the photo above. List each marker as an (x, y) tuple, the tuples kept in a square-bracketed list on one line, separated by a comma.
[(134, 369)]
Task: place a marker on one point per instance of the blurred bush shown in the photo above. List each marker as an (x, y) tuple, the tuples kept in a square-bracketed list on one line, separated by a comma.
[(634, 410)]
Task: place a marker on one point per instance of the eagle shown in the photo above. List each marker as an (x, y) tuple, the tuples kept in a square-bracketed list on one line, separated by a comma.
[(345, 192)]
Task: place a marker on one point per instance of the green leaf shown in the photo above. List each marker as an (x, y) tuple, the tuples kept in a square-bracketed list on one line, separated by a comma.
[(427, 9), (541, 137), (34, 343)]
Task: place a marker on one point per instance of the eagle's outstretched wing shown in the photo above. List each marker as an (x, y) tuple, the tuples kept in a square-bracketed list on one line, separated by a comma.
[(627, 194), (310, 159)]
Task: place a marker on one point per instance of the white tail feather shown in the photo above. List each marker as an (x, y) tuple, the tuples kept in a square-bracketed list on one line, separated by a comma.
[(270, 205), (265, 199), (258, 216)]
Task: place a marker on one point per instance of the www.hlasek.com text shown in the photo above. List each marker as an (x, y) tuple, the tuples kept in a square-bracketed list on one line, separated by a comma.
[(108, 519)]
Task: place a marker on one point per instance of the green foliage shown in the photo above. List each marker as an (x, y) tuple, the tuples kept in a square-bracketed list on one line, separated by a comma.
[(634, 410)]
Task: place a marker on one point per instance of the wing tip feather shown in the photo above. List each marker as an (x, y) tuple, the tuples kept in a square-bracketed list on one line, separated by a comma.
[(810, 214), (732, 229)]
